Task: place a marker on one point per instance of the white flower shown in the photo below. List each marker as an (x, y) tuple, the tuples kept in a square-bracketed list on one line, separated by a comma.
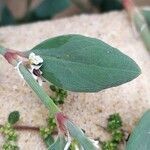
[(35, 67), (35, 62), (35, 59)]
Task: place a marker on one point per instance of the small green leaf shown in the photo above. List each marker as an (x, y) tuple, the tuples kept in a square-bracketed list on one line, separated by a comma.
[(140, 137), (83, 64), (117, 136), (114, 122), (59, 144), (109, 145), (13, 117)]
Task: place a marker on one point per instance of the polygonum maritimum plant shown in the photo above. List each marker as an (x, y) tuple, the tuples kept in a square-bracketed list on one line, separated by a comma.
[(74, 63)]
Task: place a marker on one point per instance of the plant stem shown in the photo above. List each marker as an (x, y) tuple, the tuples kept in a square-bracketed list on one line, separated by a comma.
[(48, 102), (63, 123), (29, 128), (39, 91), (139, 21), (17, 127)]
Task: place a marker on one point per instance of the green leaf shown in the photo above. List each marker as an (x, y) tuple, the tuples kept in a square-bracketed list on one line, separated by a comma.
[(79, 136), (140, 137), (59, 143), (49, 8), (13, 117), (49, 140), (146, 13), (84, 64)]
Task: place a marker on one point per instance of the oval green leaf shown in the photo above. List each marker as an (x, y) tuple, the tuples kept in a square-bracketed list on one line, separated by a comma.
[(140, 137), (83, 64), (13, 117)]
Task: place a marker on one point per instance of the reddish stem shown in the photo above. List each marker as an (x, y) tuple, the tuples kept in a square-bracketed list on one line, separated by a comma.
[(129, 5), (61, 119), (27, 128), (10, 56)]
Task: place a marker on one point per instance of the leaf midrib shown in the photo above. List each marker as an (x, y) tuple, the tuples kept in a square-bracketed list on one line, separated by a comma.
[(106, 68)]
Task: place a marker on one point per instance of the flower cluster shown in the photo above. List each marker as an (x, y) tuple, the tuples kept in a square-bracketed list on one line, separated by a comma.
[(9, 132), (35, 63), (10, 137)]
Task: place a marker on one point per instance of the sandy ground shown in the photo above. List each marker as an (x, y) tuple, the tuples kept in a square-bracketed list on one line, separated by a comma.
[(143, 2), (89, 111)]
